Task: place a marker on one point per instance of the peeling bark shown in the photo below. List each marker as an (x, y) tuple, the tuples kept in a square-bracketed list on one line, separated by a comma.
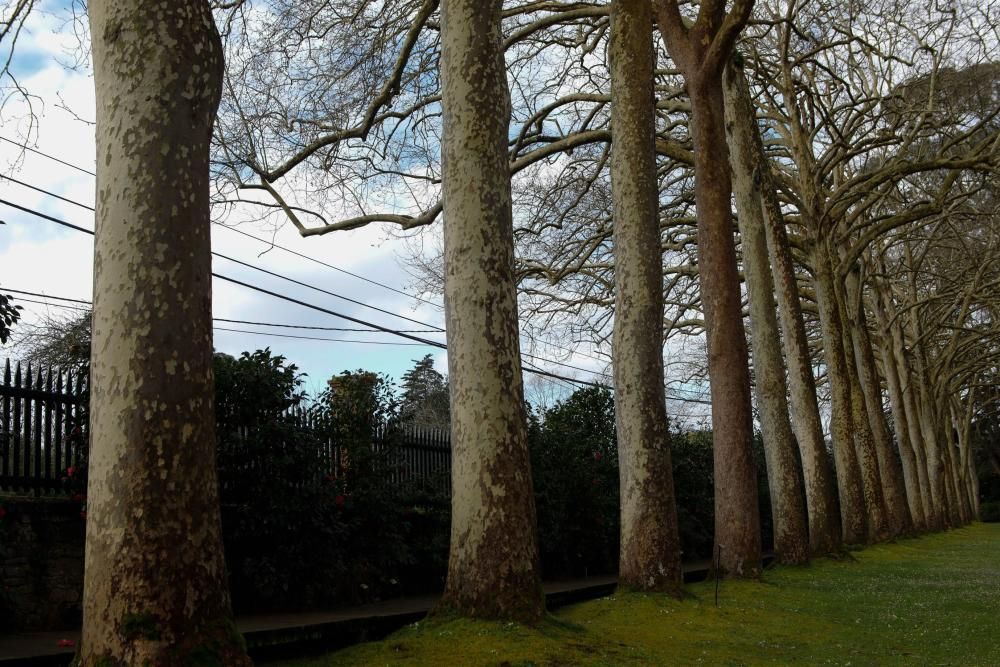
[(791, 541), (864, 441), (155, 582), (908, 459), (852, 503), (825, 533), (737, 522), (890, 470), (701, 51), (650, 556), (493, 569)]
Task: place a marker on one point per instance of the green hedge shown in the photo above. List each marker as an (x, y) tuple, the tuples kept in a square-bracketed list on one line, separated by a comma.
[(990, 512)]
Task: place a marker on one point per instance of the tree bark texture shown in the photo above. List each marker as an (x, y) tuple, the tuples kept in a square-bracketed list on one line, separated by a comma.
[(650, 557), (155, 583), (864, 440), (737, 520), (908, 459), (852, 502), (791, 539), (928, 430), (825, 533), (891, 472), (932, 511), (493, 569)]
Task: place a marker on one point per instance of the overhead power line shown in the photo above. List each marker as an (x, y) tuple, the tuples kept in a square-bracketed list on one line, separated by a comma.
[(215, 254), (333, 340), (271, 324), (216, 319), (271, 244), (431, 329), (530, 367), (283, 297), (219, 224), (46, 155)]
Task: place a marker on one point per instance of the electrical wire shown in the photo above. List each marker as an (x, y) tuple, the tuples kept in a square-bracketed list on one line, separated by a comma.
[(272, 244), (277, 295)]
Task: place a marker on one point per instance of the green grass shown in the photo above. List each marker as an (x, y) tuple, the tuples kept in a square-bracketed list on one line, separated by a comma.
[(928, 601)]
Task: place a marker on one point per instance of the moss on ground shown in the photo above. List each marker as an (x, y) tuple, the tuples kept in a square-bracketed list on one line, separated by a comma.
[(934, 600)]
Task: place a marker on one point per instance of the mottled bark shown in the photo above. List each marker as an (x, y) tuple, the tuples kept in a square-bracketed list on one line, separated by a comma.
[(493, 561), (907, 457), (155, 583), (791, 539), (890, 469), (825, 533), (864, 441), (701, 51), (928, 430), (650, 556), (852, 502), (932, 512), (963, 426), (955, 508)]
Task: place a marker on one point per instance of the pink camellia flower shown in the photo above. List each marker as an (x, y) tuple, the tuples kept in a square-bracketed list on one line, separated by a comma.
[(79, 497), (66, 643), (598, 456), (70, 471)]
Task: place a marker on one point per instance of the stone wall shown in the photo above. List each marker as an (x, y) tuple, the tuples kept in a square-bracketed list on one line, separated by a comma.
[(41, 564)]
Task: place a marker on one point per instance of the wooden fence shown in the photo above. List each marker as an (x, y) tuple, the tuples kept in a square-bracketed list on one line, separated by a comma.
[(41, 408)]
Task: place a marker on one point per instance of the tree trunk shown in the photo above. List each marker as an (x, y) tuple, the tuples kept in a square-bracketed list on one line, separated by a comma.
[(650, 556), (931, 519), (852, 502), (864, 441), (908, 459), (890, 469), (963, 419), (929, 436), (825, 532), (155, 582), (737, 521), (951, 471), (932, 511), (493, 567), (791, 540), (925, 411)]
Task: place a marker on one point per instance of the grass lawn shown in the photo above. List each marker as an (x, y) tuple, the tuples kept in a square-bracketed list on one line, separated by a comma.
[(928, 601)]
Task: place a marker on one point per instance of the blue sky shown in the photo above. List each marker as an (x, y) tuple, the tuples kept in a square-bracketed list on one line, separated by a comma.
[(40, 256)]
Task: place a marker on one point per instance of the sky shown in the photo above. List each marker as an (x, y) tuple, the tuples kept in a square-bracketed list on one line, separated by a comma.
[(40, 256)]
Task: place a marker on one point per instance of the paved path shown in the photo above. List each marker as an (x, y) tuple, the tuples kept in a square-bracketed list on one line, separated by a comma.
[(273, 635), (274, 630)]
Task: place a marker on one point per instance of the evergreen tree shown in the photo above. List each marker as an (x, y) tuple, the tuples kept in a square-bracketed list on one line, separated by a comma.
[(425, 396)]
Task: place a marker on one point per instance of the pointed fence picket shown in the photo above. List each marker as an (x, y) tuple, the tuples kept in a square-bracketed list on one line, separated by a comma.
[(38, 410), (41, 407)]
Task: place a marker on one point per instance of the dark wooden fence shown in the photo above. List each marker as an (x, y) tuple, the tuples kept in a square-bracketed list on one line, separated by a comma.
[(39, 410)]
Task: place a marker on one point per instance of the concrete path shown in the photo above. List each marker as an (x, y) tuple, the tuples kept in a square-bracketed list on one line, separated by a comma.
[(271, 636)]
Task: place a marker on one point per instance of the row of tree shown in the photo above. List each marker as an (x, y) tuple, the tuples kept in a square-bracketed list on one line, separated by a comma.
[(861, 198), (859, 143)]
